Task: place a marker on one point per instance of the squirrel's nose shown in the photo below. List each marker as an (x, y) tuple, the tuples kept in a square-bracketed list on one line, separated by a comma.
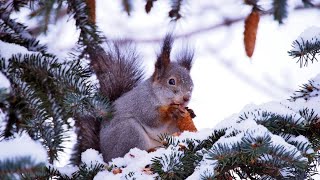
[(186, 97)]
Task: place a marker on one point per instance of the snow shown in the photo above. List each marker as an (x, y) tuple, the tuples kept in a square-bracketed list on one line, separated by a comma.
[(102, 175), (91, 156), (136, 160), (310, 35), (8, 49), (273, 107), (22, 146), (67, 170), (4, 82), (201, 135), (205, 168), (287, 172), (305, 141)]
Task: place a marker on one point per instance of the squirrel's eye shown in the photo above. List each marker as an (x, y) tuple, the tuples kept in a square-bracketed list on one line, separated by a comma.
[(172, 81)]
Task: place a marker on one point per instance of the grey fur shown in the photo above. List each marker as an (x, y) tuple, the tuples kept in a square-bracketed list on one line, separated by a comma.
[(136, 121)]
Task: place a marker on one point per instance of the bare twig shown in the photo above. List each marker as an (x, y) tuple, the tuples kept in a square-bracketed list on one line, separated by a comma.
[(224, 23)]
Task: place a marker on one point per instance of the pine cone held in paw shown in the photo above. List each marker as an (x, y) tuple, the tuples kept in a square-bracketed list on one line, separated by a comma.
[(185, 123), (183, 117)]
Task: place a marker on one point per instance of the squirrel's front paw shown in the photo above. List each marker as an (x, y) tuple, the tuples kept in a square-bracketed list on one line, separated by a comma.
[(177, 112), (172, 112), (191, 112)]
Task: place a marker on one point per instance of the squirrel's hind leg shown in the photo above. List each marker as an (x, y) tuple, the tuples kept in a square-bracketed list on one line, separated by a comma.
[(117, 140)]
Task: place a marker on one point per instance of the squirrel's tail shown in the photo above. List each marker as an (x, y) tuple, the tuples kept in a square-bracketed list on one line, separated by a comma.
[(118, 69)]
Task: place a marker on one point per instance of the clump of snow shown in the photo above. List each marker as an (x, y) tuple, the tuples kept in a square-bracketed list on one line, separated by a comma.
[(134, 163), (8, 49), (102, 175), (201, 135), (134, 153), (277, 140), (22, 146), (205, 167), (67, 170), (272, 107), (4, 82), (303, 140), (287, 172), (166, 164), (91, 156), (310, 35)]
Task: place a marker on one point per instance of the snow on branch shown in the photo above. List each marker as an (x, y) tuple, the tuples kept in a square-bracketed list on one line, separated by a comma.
[(273, 140), (14, 32), (46, 92), (308, 91), (20, 146), (307, 46), (21, 155)]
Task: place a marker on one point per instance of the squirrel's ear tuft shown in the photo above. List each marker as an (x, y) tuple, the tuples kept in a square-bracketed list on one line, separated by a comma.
[(163, 60), (185, 58), (166, 50)]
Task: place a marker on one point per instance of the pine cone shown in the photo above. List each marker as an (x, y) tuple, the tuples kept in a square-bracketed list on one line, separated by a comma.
[(148, 6), (186, 124), (183, 119), (250, 31), (92, 10)]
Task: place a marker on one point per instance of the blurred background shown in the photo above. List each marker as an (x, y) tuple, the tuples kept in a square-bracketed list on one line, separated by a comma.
[(225, 78)]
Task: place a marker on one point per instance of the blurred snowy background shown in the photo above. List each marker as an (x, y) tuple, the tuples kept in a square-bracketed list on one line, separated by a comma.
[(225, 79)]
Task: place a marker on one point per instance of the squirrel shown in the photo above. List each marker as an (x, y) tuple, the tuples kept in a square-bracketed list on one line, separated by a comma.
[(142, 110)]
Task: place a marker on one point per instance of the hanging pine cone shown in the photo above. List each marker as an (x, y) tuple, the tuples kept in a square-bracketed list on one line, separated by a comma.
[(92, 10), (149, 5), (250, 31)]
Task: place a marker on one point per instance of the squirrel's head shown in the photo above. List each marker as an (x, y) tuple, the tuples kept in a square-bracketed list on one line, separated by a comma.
[(171, 80)]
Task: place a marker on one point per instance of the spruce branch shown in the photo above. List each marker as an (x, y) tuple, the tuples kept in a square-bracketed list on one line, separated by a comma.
[(90, 37), (149, 5), (254, 155), (280, 10), (182, 163), (51, 171), (13, 32), (169, 166), (127, 6), (305, 50), (87, 171), (47, 12), (175, 13), (308, 3), (44, 85), (20, 167), (306, 91), (16, 5)]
